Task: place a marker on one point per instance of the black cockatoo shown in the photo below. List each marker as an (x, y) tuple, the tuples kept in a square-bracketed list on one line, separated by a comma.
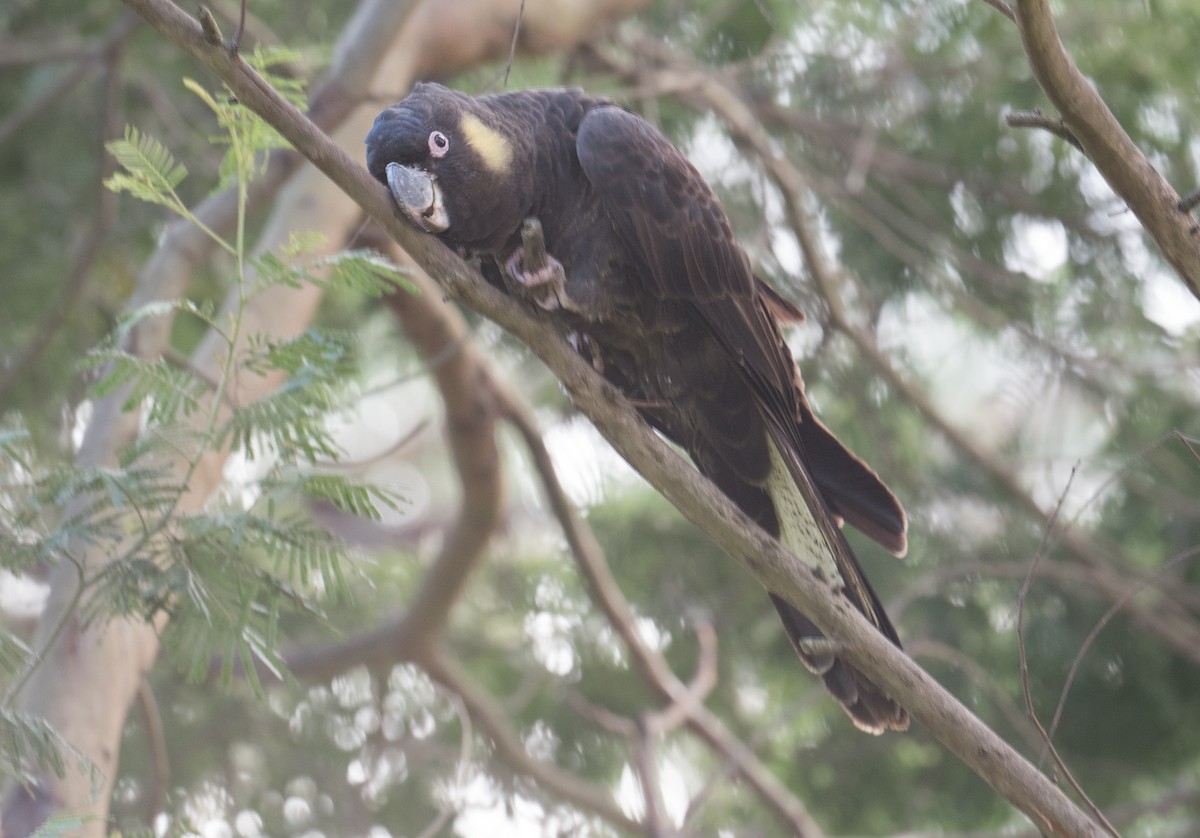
[(646, 278)]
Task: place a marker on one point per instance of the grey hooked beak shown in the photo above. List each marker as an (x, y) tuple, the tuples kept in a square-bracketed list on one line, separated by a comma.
[(417, 193)]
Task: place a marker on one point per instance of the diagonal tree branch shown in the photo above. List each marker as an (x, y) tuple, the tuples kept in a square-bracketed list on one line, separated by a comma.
[(973, 742)]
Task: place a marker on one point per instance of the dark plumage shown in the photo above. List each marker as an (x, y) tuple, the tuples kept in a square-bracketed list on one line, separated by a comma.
[(650, 284)]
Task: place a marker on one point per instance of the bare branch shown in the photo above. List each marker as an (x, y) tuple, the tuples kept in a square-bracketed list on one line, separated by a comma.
[(1030, 711), (1127, 170), (978, 675), (468, 391), (1037, 119), (680, 710), (492, 719), (160, 761), (1104, 620), (1189, 201), (653, 668), (646, 760)]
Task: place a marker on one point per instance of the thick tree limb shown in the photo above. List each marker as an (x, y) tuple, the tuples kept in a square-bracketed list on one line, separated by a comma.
[(469, 394), (697, 498), (1127, 170)]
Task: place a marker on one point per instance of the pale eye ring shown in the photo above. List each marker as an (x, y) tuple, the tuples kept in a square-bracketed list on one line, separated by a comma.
[(439, 144)]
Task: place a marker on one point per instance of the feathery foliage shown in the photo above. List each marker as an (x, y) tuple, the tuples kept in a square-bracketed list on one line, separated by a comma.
[(226, 573)]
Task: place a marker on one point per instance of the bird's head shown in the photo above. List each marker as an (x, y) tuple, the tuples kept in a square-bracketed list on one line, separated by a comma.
[(450, 165)]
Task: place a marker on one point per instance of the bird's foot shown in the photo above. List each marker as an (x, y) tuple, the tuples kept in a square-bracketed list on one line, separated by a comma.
[(820, 652), (537, 274)]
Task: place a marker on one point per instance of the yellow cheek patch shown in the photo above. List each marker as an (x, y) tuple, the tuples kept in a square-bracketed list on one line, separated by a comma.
[(495, 151)]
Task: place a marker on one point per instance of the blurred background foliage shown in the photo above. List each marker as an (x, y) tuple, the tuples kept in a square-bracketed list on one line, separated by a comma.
[(990, 266)]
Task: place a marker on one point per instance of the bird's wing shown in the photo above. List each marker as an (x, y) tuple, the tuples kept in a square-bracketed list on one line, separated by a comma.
[(662, 206), (674, 224)]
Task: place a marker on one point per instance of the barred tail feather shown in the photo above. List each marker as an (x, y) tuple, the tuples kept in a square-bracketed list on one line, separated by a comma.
[(806, 528), (869, 707)]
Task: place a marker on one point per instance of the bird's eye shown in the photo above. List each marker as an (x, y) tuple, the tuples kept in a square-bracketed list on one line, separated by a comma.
[(439, 144)]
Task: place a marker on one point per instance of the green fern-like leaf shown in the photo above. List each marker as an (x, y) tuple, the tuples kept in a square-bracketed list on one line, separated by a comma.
[(317, 356), (349, 496), (14, 654), (170, 392), (229, 603), (27, 740), (167, 439), (151, 172), (264, 58), (360, 271), (288, 423), (161, 308), (14, 445), (366, 272), (302, 244)]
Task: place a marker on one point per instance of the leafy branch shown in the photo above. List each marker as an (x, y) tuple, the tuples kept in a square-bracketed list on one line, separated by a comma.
[(217, 579)]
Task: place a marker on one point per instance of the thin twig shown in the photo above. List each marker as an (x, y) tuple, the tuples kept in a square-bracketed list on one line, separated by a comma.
[(925, 648), (1175, 560), (492, 719), (646, 761), (236, 43), (1106, 143), (512, 50), (1024, 661), (702, 683), (1037, 119), (1189, 201)]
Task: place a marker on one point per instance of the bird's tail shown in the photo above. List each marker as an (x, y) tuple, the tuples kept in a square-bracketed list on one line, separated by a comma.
[(801, 502), (869, 707)]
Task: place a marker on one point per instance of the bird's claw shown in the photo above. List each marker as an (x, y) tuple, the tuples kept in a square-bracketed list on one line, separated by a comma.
[(546, 286), (537, 274)]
